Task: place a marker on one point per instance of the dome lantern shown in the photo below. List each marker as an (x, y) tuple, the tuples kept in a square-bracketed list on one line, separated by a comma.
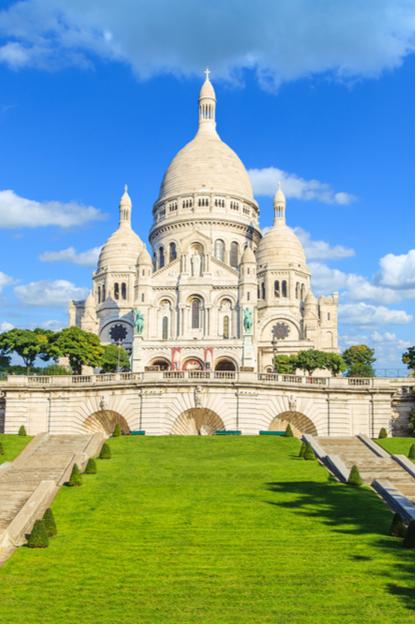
[(125, 208), (206, 105), (279, 206)]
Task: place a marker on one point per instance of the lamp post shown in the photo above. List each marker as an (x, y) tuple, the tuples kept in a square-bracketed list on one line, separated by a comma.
[(119, 342)]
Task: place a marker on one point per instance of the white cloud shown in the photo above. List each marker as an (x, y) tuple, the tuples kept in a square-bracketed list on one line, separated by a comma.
[(361, 314), (17, 211), (319, 250), (281, 41), (397, 271), (265, 182), (5, 326), (354, 286), (55, 293), (51, 324), (5, 280), (88, 258)]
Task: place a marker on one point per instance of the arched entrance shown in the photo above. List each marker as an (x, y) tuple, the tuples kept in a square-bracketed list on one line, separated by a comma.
[(299, 423), (105, 421), (193, 364), (225, 364), (162, 363), (197, 422)]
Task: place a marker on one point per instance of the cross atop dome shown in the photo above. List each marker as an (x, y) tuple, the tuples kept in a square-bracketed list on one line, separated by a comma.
[(207, 103), (207, 72)]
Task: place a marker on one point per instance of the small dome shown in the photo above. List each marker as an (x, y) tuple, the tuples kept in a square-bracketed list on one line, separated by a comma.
[(121, 250), (144, 257), (280, 245), (125, 200), (279, 196), (207, 90), (248, 255)]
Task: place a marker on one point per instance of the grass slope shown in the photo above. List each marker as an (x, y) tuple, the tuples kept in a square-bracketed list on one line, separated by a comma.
[(12, 445), (212, 530), (397, 444)]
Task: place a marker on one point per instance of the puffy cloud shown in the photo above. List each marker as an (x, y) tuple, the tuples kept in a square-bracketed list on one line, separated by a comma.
[(265, 182), (397, 271), (88, 258), (20, 212), (4, 280), (319, 250), (362, 314), (353, 286), (54, 293), (281, 41), (5, 326), (51, 324)]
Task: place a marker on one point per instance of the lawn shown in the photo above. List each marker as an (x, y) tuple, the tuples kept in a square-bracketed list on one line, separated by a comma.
[(397, 444), (12, 445), (212, 530)]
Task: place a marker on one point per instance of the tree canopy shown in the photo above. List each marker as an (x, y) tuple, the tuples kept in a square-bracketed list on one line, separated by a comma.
[(408, 358), (28, 344), (310, 360), (359, 360), (114, 358), (80, 347)]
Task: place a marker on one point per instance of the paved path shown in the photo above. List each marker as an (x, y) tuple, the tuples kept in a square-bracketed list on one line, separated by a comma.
[(29, 484), (351, 450)]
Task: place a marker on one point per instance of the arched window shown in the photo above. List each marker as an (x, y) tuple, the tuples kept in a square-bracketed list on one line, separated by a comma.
[(165, 328), (172, 251), (297, 290), (123, 290), (220, 249), (263, 291), (103, 293), (161, 257), (226, 327), (142, 297), (302, 292), (234, 254), (196, 313), (284, 288), (99, 294), (116, 290), (276, 288), (248, 296)]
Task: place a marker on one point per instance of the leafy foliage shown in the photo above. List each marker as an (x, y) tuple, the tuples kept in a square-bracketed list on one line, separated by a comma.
[(38, 538), (309, 453), (91, 468), (408, 358), (115, 358), (22, 431), (105, 453), (411, 423), (309, 360), (285, 364), (383, 433), (359, 360), (28, 344), (75, 479), (289, 431), (80, 347), (354, 478), (117, 430), (50, 523), (411, 454)]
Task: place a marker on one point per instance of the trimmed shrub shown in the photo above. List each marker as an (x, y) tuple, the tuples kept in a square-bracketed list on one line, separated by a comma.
[(49, 521), (397, 528), (22, 431), (410, 455), (91, 467), (289, 431), (309, 453), (1, 449), (38, 538), (105, 453), (354, 478), (117, 430), (383, 433), (75, 479), (302, 450), (409, 539)]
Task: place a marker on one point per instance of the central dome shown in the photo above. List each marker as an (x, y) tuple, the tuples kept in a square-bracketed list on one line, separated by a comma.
[(206, 164)]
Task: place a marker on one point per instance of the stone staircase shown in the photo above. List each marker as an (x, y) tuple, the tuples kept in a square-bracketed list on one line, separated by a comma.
[(372, 467), (29, 484)]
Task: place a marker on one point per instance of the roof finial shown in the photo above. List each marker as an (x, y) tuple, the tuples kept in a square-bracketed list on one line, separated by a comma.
[(126, 188), (207, 72)]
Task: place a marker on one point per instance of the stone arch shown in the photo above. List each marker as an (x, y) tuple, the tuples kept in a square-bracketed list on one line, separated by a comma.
[(192, 363), (161, 362), (300, 423), (197, 422), (224, 363), (105, 421)]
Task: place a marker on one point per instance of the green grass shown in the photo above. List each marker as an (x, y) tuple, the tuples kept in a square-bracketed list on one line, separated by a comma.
[(397, 444), (12, 445), (212, 530)]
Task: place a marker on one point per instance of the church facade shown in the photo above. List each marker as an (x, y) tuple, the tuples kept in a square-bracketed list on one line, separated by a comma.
[(217, 293)]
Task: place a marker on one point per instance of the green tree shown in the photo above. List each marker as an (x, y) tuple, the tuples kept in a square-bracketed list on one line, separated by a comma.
[(411, 454), (115, 358), (310, 360), (408, 358), (22, 431), (117, 430), (309, 453), (50, 524), (38, 538), (80, 347), (359, 360), (354, 478), (75, 478), (91, 468), (4, 362), (335, 363), (383, 433), (302, 450), (105, 453), (289, 431), (285, 364), (28, 344)]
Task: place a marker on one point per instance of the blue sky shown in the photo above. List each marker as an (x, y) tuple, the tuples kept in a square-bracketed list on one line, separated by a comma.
[(320, 95)]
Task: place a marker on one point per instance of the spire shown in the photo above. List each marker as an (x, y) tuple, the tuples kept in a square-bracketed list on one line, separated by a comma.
[(207, 103), (279, 206), (125, 208)]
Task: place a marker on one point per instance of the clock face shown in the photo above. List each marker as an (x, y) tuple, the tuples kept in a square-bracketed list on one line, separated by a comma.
[(280, 331), (118, 332)]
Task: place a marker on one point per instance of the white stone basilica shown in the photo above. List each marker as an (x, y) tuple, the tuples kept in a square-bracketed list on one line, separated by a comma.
[(217, 294)]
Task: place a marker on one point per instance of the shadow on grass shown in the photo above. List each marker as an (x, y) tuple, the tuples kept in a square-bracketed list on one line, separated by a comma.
[(354, 511)]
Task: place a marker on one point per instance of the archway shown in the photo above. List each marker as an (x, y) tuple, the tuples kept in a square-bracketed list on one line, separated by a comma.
[(225, 364), (198, 422), (105, 421), (300, 423), (192, 364), (162, 363)]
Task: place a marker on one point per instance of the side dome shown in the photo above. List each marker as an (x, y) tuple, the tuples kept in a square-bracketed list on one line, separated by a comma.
[(280, 245), (122, 248)]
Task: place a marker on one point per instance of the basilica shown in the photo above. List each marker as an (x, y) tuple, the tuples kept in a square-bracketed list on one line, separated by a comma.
[(217, 293)]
